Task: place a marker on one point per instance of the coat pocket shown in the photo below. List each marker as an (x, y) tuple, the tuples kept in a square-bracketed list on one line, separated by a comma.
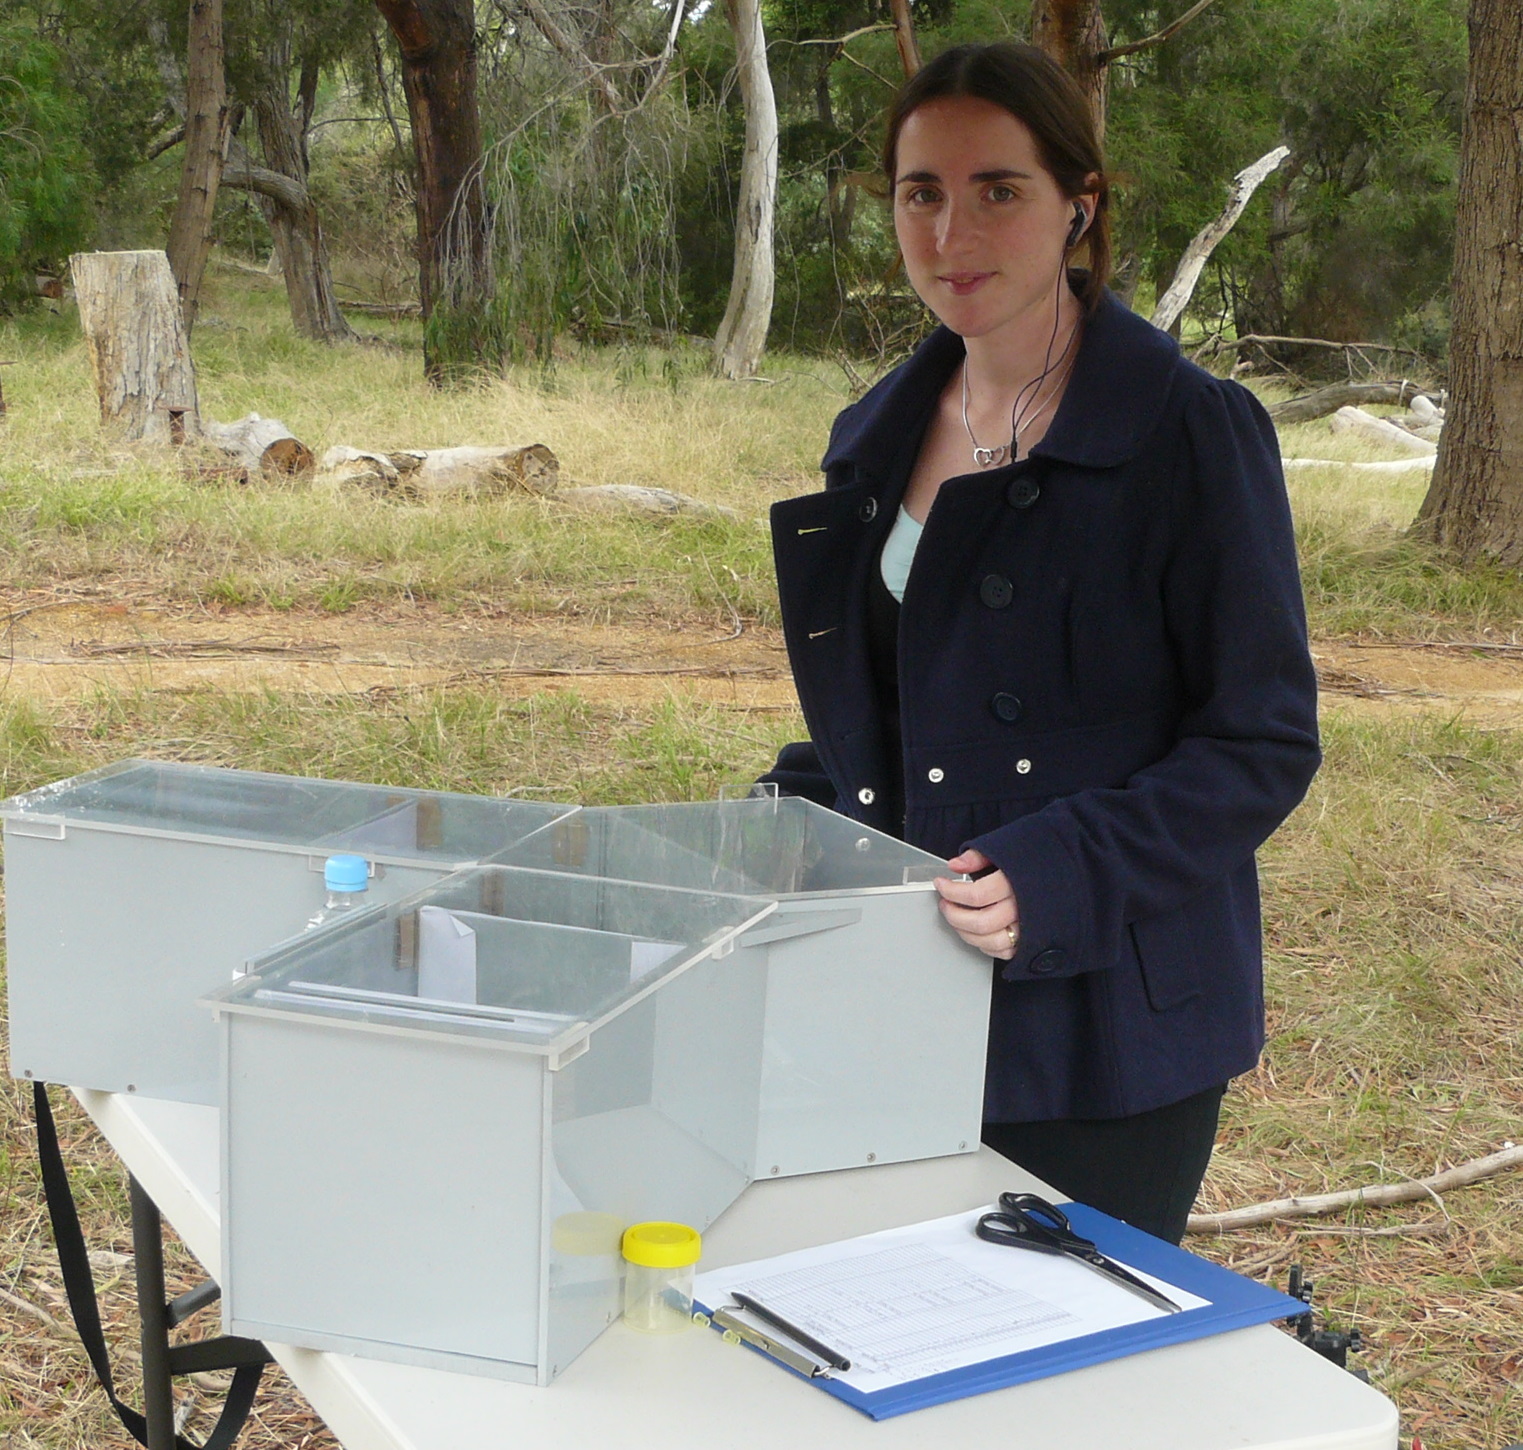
[(1170, 965)]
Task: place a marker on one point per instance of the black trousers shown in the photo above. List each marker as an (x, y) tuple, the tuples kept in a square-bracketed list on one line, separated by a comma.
[(1144, 1169)]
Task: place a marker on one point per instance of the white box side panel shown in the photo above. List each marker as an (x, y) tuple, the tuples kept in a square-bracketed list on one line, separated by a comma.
[(875, 1040), (113, 936), (379, 1189)]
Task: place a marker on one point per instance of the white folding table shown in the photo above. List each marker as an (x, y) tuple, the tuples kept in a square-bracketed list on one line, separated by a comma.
[(1255, 1388)]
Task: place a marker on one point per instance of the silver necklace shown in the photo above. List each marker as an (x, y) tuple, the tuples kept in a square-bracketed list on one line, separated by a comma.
[(1020, 418)]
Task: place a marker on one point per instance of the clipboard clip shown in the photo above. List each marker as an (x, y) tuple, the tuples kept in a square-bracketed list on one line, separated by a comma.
[(798, 1360)]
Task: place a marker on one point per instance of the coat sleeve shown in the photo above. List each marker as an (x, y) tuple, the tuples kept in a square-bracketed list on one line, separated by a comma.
[(798, 772), (1086, 866)]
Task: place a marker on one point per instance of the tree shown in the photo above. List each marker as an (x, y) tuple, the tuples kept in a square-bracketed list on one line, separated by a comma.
[(44, 173), (207, 130), (437, 42), (1072, 32), (748, 314), (1475, 503)]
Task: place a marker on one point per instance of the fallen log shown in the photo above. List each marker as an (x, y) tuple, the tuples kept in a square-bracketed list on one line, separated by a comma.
[(1422, 464), (261, 445), (1380, 430), (641, 499), (1311, 406), (1381, 1195), (416, 473)]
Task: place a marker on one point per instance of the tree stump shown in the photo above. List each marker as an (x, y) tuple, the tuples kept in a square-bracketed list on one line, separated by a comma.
[(417, 473), (129, 309)]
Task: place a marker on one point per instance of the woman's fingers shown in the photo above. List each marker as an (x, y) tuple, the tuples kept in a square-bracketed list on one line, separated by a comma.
[(982, 912), (981, 891)]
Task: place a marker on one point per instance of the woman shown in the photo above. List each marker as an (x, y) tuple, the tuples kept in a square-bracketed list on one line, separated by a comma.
[(1045, 619)]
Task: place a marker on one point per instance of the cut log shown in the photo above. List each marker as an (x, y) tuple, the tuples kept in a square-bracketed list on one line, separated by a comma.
[(636, 497), (129, 310), (1390, 466), (1380, 430), (261, 445), (423, 472), (1177, 294), (1310, 406)]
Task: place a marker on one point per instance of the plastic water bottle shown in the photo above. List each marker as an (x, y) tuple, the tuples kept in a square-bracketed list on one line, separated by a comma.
[(346, 879)]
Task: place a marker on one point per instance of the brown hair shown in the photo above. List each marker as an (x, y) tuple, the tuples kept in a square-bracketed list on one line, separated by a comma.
[(1039, 93)]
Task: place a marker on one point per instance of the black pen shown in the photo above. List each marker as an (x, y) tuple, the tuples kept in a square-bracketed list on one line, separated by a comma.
[(809, 1342)]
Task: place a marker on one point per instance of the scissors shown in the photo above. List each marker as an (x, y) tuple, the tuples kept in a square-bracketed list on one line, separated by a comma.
[(1028, 1221)]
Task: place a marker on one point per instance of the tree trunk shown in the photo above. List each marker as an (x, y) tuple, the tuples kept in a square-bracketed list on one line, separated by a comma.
[(1475, 503), (133, 322), (904, 37), (206, 136), (437, 41), (298, 234), (1072, 32), (748, 314)]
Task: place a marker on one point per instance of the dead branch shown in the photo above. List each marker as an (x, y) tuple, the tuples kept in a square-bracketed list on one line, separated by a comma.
[(570, 51), (1378, 1196), (840, 39), (205, 649), (1327, 400), (1220, 344), (1178, 293), (1173, 28)]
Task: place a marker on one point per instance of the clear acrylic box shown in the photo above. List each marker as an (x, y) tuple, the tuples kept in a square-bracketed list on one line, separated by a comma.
[(439, 1116), (135, 889), (877, 1013)]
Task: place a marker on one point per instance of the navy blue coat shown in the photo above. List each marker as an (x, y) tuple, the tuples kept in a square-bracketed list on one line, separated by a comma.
[(1104, 686)]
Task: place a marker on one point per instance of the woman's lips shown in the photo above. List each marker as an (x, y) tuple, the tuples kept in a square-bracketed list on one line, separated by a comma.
[(962, 283)]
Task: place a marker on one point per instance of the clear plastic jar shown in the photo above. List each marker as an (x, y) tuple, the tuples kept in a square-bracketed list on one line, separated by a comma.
[(658, 1276)]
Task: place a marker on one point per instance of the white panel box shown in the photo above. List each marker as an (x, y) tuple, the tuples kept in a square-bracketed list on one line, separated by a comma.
[(443, 1180), (136, 889), (877, 1017)]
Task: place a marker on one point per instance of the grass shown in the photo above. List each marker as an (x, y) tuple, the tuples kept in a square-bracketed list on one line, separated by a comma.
[(75, 507), (1394, 941)]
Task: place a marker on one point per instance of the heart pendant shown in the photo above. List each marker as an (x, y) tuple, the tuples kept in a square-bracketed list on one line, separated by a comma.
[(986, 457)]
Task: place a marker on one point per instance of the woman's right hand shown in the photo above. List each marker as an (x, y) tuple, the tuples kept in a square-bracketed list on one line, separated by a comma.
[(982, 911)]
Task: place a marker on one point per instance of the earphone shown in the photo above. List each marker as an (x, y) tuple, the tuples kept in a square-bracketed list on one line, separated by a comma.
[(1076, 231)]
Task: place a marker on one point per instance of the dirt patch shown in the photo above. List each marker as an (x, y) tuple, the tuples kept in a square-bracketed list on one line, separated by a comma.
[(64, 649)]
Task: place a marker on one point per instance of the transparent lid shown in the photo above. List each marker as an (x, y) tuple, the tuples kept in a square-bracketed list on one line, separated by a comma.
[(323, 816), (773, 846), (527, 958)]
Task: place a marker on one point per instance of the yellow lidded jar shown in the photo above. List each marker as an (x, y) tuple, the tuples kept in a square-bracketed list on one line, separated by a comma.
[(658, 1276)]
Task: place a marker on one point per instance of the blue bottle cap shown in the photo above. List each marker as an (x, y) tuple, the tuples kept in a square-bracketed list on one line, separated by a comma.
[(346, 873)]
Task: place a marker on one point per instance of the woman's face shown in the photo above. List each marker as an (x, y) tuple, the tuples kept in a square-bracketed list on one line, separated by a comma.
[(981, 221)]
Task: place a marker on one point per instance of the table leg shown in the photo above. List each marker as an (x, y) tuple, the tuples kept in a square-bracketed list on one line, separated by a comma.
[(153, 1315)]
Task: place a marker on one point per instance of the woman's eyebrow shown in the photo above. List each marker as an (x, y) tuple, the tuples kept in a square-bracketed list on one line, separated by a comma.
[(999, 173)]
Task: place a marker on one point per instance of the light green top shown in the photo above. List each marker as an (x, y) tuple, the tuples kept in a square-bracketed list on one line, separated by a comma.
[(899, 553)]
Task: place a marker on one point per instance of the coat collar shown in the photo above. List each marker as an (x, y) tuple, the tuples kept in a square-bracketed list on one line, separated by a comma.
[(1114, 400)]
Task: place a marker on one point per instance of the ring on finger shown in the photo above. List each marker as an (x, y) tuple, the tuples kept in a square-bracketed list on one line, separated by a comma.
[(1010, 932)]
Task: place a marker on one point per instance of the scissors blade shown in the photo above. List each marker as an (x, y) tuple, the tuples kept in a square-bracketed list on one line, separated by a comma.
[(1124, 1278)]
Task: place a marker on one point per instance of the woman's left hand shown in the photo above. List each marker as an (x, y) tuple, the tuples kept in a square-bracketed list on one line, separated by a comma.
[(982, 911)]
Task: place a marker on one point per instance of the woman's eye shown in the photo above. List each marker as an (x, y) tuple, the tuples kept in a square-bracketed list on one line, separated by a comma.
[(920, 196), (1001, 193)]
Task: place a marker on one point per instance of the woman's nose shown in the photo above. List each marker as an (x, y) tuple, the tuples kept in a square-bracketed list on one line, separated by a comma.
[(955, 226)]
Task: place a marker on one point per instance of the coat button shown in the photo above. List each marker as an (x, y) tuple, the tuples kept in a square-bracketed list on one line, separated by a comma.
[(935, 775), (868, 510), (1043, 964), (1006, 707), (866, 796), (1023, 767), (996, 591), (1023, 492)]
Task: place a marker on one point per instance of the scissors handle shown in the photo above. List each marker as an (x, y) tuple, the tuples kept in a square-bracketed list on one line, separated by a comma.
[(1039, 1208)]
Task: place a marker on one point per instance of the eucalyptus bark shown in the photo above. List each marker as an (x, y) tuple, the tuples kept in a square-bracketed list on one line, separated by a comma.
[(437, 42), (1072, 32), (207, 127), (904, 37), (1475, 502), (292, 218), (748, 314), (133, 323)]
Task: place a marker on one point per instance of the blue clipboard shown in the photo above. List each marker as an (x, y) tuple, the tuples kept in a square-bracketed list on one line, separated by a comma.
[(1235, 1302)]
